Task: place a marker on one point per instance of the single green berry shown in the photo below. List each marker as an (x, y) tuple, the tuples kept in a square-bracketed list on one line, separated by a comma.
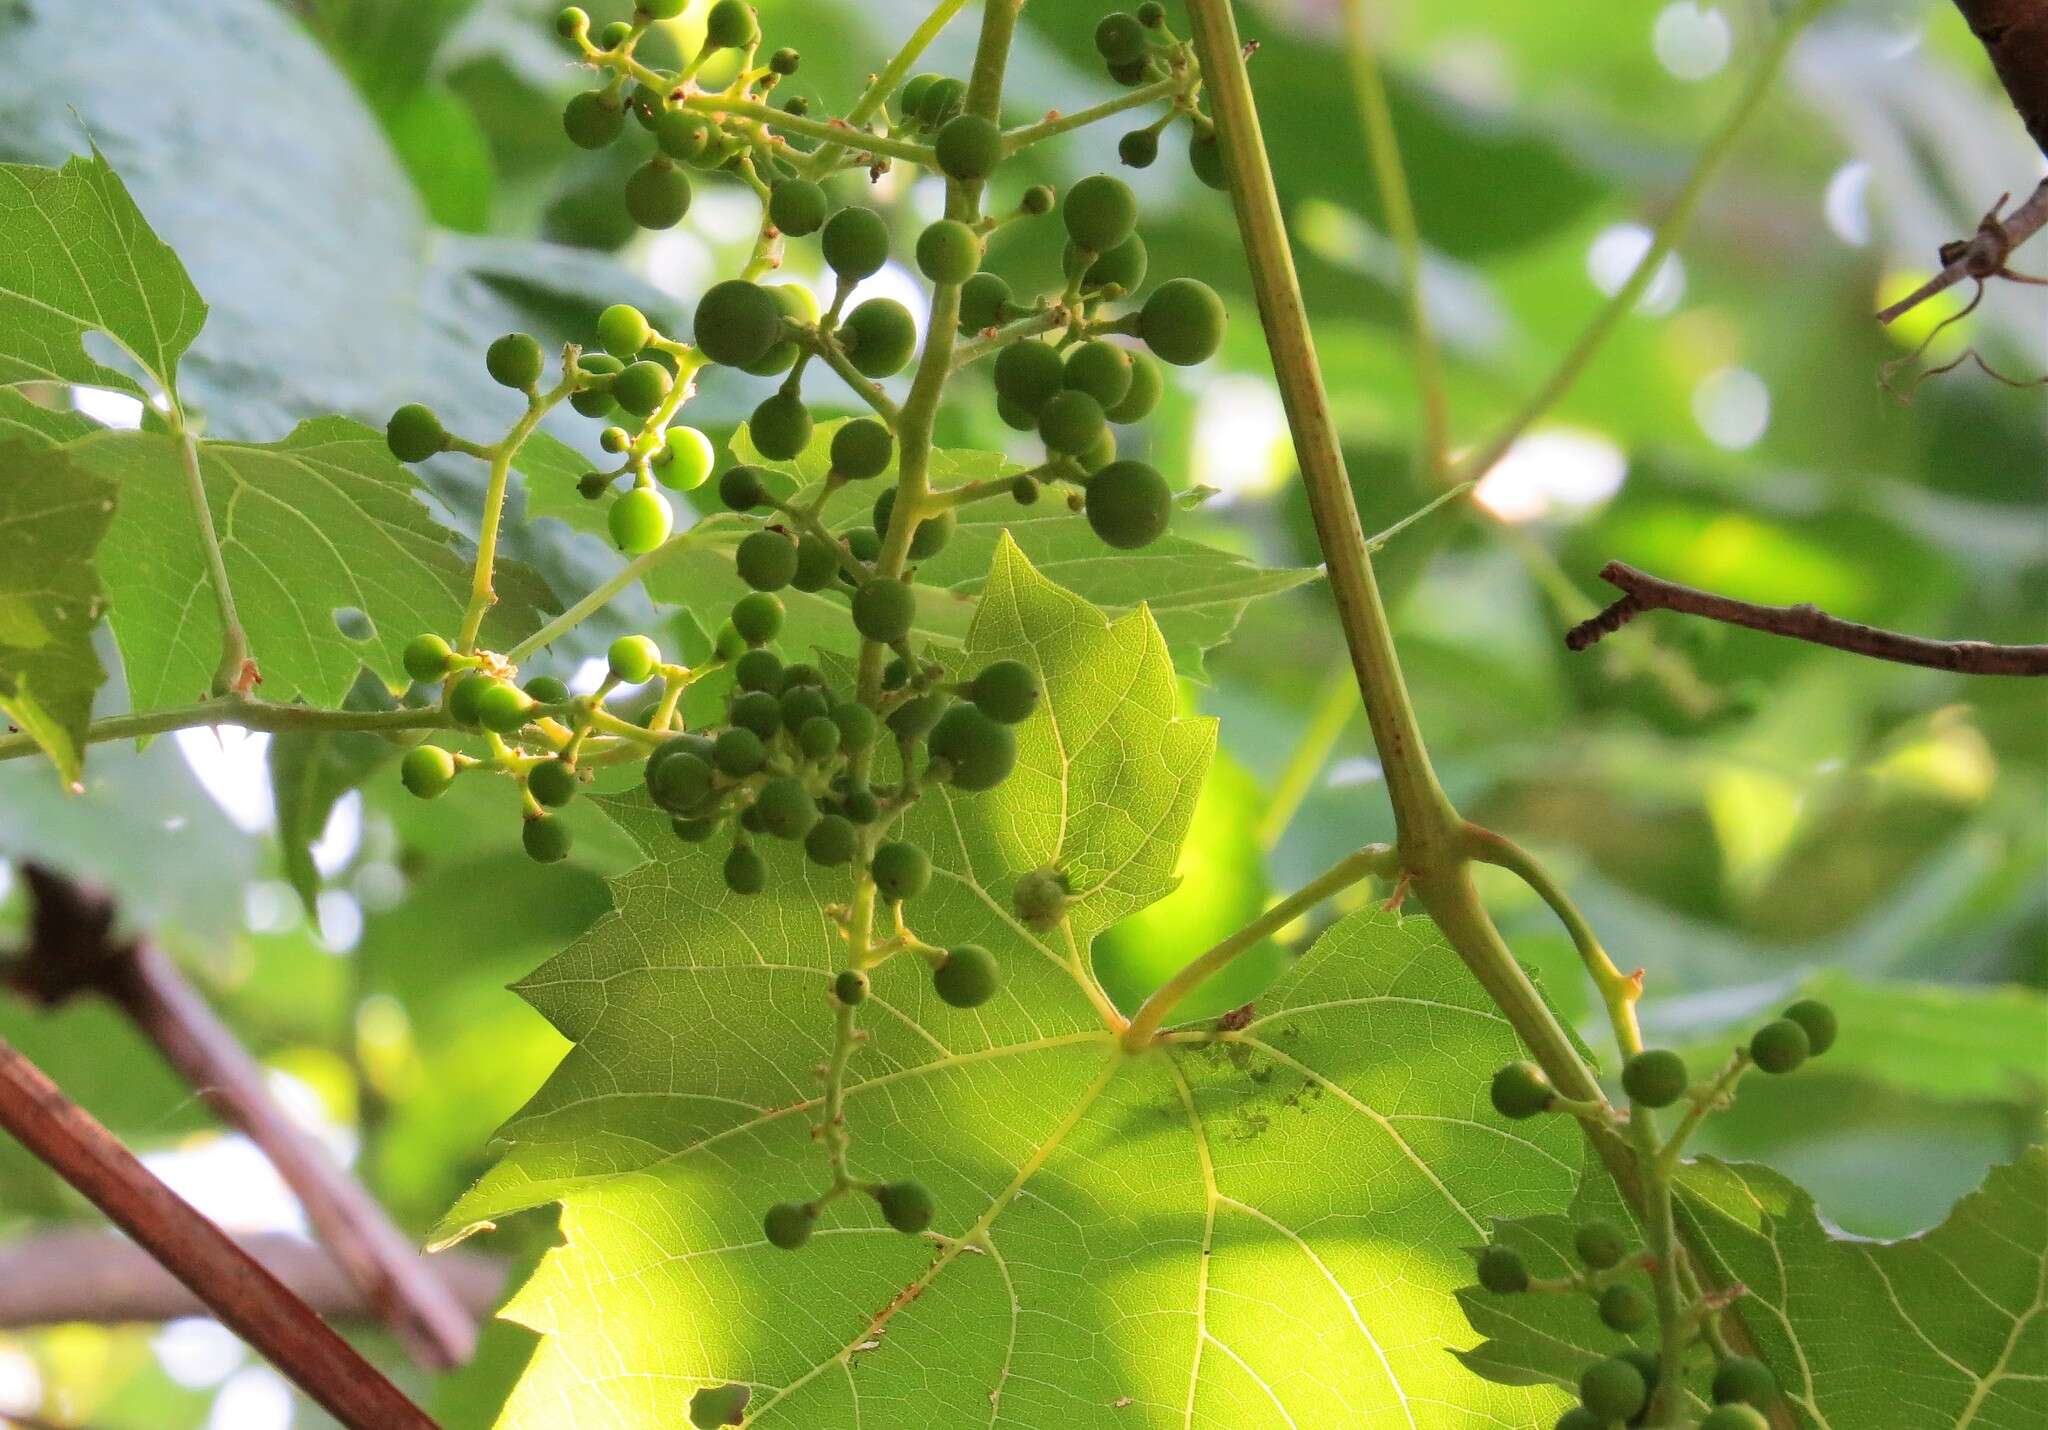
[(781, 426), (915, 718), (737, 322), (1521, 1090), (1006, 690), (850, 987), (785, 808), (1100, 212), (968, 148), (861, 806), (900, 870), (1101, 452), (515, 360), (593, 485), (742, 489), (593, 119), (1624, 1309), (788, 1225), (913, 93), (426, 657), (426, 770), (1040, 897), (1151, 14), (738, 752), (981, 751), (1071, 423), (757, 616), (614, 35), (1742, 1380), (685, 459), (633, 659), (883, 609), (623, 330), (785, 61), (1119, 38), (593, 394), (641, 387), (855, 242), (967, 976), (1612, 1389), (546, 838), (1148, 385), (730, 25), (1735, 1417), (1818, 1019), (800, 704), (616, 439), (678, 780), (746, 872), (1122, 267), (863, 448), (1600, 1245), (766, 560), (1780, 1046), (1129, 504), (1182, 321), (832, 841), (984, 301), (1036, 200), (547, 690), (942, 101), (728, 645), (1024, 490), (1101, 369), (1205, 157), (1656, 1078), (1501, 1271), (948, 251), (683, 134), (463, 696), (414, 433), (552, 783), (907, 1206), (571, 22), (718, 1405), (759, 711), (879, 336), (658, 193), (1139, 148), (818, 737), (640, 521), (817, 562), (503, 707), (1030, 374), (797, 207), (759, 670), (863, 543)]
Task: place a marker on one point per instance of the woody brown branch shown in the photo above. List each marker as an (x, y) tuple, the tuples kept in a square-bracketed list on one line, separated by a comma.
[(1644, 592), (73, 950)]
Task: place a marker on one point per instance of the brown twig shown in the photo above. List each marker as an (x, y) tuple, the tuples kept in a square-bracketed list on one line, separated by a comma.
[(2014, 34), (102, 1278), (1644, 592), (72, 949), (247, 1299), (1983, 255)]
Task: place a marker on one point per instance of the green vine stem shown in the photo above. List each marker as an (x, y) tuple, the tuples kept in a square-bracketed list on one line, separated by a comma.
[(231, 675), (244, 712)]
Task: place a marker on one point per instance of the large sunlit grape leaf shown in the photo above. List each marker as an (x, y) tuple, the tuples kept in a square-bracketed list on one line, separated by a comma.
[(320, 525), (1195, 592), (53, 517), (1258, 1227)]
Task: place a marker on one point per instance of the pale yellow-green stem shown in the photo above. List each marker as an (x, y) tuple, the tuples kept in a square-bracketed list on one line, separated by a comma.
[(228, 676)]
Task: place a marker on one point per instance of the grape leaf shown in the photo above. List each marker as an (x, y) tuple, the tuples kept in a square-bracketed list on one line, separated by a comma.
[(310, 770), (1195, 592), (550, 469), (1249, 1226), (322, 523), (53, 516)]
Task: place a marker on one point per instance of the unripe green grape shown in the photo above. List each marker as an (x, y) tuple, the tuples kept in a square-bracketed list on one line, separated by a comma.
[(780, 426), (1182, 321), (547, 690), (426, 657), (746, 872), (758, 670), (1151, 14), (677, 778), (1123, 266), (832, 841), (1656, 1078), (546, 838), (515, 360), (738, 752), (907, 1206), (900, 871), (1139, 148), (1101, 452), (464, 697), (623, 330), (850, 987), (1735, 1417), (641, 387), (758, 711), (571, 22), (644, 104), (1100, 212), (797, 207), (1029, 374), (1779, 1046), (942, 101), (730, 24), (1148, 385), (1818, 1019), (766, 560), (592, 486), (785, 61), (426, 771), (883, 609), (1014, 417), (1119, 38), (785, 808), (855, 242), (719, 1405), (683, 134), (685, 459), (1129, 505), (614, 35), (742, 489), (1612, 1389), (658, 194), (967, 976), (864, 543), (1040, 897), (1205, 157), (1521, 1090), (1038, 199), (817, 562), (788, 1225), (757, 616), (818, 737), (1502, 1272), (552, 783), (1742, 1380), (593, 119), (414, 433), (1006, 690), (968, 148), (857, 724), (615, 439), (861, 806), (983, 299), (913, 92), (1101, 369), (800, 672), (948, 251), (737, 322), (503, 708), (863, 448), (640, 521), (593, 394), (914, 719), (1024, 490), (981, 751), (1600, 1245), (879, 336), (633, 659), (728, 645), (801, 704), (1624, 1309)]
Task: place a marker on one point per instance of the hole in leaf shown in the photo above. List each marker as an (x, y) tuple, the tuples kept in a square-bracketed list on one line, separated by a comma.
[(354, 624)]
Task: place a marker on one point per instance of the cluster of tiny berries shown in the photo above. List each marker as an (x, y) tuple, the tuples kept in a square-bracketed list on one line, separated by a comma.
[(1621, 1388)]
